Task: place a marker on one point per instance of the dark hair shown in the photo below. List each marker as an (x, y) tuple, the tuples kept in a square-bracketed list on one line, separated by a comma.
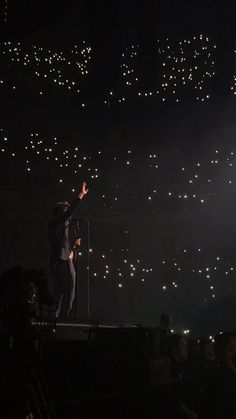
[(221, 342), (59, 207)]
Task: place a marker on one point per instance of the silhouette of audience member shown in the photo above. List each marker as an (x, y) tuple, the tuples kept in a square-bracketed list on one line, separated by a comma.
[(218, 398), (193, 350), (201, 367), (206, 348), (207, 360), (178, 352)]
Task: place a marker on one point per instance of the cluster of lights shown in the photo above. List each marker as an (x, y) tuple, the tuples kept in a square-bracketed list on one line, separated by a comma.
[(185, 66), (189, 263), (64, 70), (60, 159), (118, 267), (196, 183), (187, 332)]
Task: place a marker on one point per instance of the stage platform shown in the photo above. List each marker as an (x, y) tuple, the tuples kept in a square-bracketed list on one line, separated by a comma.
[(86, 366), (82, 330)]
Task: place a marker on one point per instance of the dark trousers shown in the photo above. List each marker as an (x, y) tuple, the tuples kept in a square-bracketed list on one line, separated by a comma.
[(64, 279)]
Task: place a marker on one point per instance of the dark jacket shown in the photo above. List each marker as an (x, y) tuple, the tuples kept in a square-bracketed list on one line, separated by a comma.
[(56, 231)]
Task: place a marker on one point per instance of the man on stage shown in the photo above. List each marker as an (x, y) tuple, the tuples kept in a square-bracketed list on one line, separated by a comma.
[(62, 239)]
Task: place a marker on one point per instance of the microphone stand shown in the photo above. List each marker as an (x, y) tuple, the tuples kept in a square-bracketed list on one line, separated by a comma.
[(88, 271), (77, 267), (77, 274)]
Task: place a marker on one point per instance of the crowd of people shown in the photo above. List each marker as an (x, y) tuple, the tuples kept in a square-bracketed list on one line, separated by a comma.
[(202, 377)]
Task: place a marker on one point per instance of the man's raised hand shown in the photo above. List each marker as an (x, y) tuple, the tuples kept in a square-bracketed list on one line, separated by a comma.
[(84, 190)]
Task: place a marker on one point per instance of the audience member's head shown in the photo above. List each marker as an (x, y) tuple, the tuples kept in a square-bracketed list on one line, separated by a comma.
[(225, 348), (177, 348), (193, 349), (206, 348)]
